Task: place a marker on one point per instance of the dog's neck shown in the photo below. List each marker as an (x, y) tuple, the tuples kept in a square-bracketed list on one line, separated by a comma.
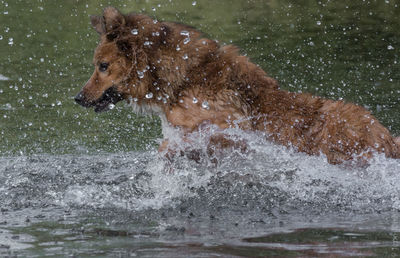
[(145, 108)]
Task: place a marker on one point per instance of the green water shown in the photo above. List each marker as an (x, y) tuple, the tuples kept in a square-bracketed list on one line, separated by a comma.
[(52, 148), (347, 49)]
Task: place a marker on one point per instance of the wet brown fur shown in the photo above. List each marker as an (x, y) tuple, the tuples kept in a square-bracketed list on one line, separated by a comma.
[(194, 80)]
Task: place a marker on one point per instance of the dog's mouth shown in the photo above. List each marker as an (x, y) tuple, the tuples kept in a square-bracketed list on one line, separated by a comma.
[(106, 102)]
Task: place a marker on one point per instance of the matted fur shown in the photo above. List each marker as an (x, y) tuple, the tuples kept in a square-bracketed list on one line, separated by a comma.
[(170, 69)]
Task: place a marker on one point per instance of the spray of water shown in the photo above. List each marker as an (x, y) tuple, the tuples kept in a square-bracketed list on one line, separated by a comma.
[(266, 176)]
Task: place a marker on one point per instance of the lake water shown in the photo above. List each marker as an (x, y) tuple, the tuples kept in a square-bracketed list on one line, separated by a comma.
[(77, 183)]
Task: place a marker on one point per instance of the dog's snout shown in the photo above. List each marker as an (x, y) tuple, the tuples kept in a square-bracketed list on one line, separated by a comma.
[(80, 99)]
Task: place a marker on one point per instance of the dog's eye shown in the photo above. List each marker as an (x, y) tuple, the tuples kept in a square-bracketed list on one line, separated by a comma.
[(103, 67)]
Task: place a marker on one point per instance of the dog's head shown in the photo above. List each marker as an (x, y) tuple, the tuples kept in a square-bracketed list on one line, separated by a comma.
[(121, 59)]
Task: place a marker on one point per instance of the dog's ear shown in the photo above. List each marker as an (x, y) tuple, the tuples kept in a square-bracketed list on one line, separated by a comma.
[(125, 47), (113, 19), (98, 24)]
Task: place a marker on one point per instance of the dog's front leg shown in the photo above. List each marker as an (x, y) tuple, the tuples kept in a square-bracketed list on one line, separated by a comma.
[(220, 141), (170, 152)]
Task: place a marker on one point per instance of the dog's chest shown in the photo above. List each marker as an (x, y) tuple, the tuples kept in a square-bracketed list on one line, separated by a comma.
[(145, 109)]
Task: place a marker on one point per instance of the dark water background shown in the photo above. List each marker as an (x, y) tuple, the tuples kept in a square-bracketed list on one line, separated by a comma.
[(73, 182)]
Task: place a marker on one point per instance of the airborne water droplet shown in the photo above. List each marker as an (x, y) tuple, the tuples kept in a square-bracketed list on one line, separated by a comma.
[(149, 95), (111, 106), (205, 105), (390, 47), (185, 56), (134, 31), (185, 33), (195, 100), (194, 3), (140, 74), (186, 40)]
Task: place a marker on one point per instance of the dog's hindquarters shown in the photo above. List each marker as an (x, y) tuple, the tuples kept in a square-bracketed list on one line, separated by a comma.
[(341, 131)]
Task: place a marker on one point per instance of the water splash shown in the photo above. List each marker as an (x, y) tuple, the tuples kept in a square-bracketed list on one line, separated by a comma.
[(266, 175)]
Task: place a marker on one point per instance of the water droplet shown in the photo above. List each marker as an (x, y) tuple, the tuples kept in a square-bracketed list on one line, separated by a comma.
[(185, 56), (195, 100), (149, 95), (205, 105), (390, 47), (148, 43), (111, 106), (194, 3), (318, 23), (178, 48), (134, 31), (185, 33), (140, 74), (3, 78), (186, 40)]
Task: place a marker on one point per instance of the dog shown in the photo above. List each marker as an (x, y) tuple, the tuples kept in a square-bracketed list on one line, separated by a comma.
[(169, 69)]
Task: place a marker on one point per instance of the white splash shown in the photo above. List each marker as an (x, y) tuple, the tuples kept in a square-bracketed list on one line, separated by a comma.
[(146, 179)]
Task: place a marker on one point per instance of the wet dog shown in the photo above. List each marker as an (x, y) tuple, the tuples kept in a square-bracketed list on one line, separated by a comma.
[(171, 70)]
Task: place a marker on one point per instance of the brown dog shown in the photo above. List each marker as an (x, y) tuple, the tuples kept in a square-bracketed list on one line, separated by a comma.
[(167, 68)]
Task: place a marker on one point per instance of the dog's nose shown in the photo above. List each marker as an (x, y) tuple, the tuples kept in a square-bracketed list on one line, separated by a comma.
[(80, 99)]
